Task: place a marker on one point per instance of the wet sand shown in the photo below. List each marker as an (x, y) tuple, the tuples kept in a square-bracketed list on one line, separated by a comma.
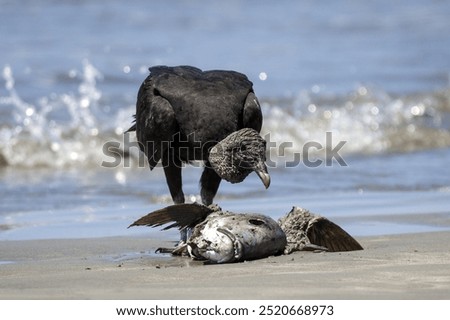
[(410, 266)]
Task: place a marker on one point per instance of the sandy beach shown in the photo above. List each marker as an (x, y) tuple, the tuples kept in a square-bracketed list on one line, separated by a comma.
[(355, 98), (410, 266)]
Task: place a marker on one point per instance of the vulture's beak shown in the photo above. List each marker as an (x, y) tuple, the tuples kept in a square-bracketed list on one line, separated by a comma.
[(261, 171)]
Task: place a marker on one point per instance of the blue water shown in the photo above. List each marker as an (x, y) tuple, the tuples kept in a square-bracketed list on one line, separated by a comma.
[(375, 75)]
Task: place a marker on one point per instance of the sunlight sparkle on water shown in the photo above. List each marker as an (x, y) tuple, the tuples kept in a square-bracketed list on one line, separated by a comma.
[(417, 110), (126, 69), (84, 102), (312, 108), (29, 112), (262, 76), (120, 177)]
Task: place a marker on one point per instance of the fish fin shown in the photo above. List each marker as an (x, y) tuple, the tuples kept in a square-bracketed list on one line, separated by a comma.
[(181, 216), (179, 250), (165, 250), (322, 232), (314, 248)]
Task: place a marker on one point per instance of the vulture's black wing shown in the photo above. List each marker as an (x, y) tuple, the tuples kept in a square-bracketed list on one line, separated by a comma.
[(212, 104), (155, 121)]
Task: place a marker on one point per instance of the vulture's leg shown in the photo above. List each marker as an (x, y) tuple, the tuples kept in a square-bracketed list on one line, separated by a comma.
[(209, 184), (172, 170)]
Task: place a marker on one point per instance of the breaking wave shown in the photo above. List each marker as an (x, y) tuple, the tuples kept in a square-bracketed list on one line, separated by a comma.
[(367, 120), (70, 129), (60, 130)]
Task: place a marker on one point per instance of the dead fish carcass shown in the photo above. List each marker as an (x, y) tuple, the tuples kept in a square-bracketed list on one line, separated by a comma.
[(220, 236)]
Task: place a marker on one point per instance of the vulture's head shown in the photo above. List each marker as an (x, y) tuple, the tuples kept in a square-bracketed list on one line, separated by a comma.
[(238, 155)]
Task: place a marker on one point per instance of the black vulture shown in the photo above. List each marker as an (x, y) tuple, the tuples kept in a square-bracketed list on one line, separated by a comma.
[(185, 114)]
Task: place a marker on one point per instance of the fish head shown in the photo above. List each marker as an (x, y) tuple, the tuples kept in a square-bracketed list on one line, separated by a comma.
[(217, 246)]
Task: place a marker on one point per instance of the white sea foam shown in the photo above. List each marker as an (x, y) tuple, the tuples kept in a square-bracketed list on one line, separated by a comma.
[(65, 130), (369, 121)]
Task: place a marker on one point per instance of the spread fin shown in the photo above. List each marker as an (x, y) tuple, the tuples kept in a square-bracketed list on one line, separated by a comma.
[(323, 232), (181, 216)]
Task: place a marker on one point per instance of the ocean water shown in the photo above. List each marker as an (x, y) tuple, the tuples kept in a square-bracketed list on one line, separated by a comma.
[(355, 97)]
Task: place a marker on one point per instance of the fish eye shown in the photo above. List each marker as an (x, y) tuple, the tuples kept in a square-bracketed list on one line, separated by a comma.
[(256, 222)]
